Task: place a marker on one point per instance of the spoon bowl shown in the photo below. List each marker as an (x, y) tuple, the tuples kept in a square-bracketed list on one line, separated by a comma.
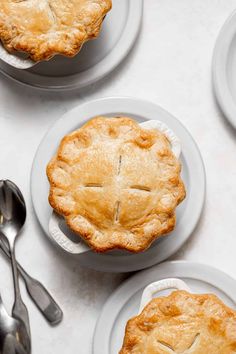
[(12, 210), (13, 334)]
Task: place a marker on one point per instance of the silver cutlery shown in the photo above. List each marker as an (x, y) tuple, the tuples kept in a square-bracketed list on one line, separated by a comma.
[(12, 219), (38, 293), (14, 337)]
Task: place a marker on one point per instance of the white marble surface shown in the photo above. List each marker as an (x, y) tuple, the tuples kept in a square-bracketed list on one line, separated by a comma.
[(170, 65)]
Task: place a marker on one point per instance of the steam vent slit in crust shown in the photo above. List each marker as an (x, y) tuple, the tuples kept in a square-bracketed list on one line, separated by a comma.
[(182, 323), (44, 28), (117, 185)]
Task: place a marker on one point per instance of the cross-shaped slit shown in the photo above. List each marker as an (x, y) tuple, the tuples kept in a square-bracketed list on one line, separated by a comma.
[(166, 345), (117, 204), (119, 165), (194, 341), (117, 211), (141, 188), (93, 185), (170, 349)]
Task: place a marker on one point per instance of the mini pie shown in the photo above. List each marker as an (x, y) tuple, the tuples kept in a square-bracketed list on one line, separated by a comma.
[(117, 185), (43, 28), (182, 323)]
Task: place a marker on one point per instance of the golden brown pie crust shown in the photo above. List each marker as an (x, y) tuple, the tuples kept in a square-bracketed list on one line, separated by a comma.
[(116, 184), (182, 323), (43, 28)]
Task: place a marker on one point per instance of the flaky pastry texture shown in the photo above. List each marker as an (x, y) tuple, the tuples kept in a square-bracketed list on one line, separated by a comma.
[(117, 185), (44, 28), (182, 323)]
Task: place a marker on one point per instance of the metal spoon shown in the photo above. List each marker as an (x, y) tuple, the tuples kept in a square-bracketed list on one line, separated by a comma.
[(14, 338), (12, 219), (38, 293)]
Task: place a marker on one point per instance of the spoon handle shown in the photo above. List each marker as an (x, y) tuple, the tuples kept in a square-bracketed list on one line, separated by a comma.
[(38, 293), (43, 300), (19, 310)]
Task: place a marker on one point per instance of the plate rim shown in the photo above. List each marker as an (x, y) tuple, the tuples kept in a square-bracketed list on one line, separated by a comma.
[(137, 261), (194, 270), (219, 64), (105, 66)]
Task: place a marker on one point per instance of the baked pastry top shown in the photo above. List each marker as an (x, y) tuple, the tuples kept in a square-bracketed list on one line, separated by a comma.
[(116, 184), (43, 28), (182, 323)]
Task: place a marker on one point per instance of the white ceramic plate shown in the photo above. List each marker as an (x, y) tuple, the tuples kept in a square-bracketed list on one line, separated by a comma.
[(188, 213), (96, 59), (224, 69), (125, 301)]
